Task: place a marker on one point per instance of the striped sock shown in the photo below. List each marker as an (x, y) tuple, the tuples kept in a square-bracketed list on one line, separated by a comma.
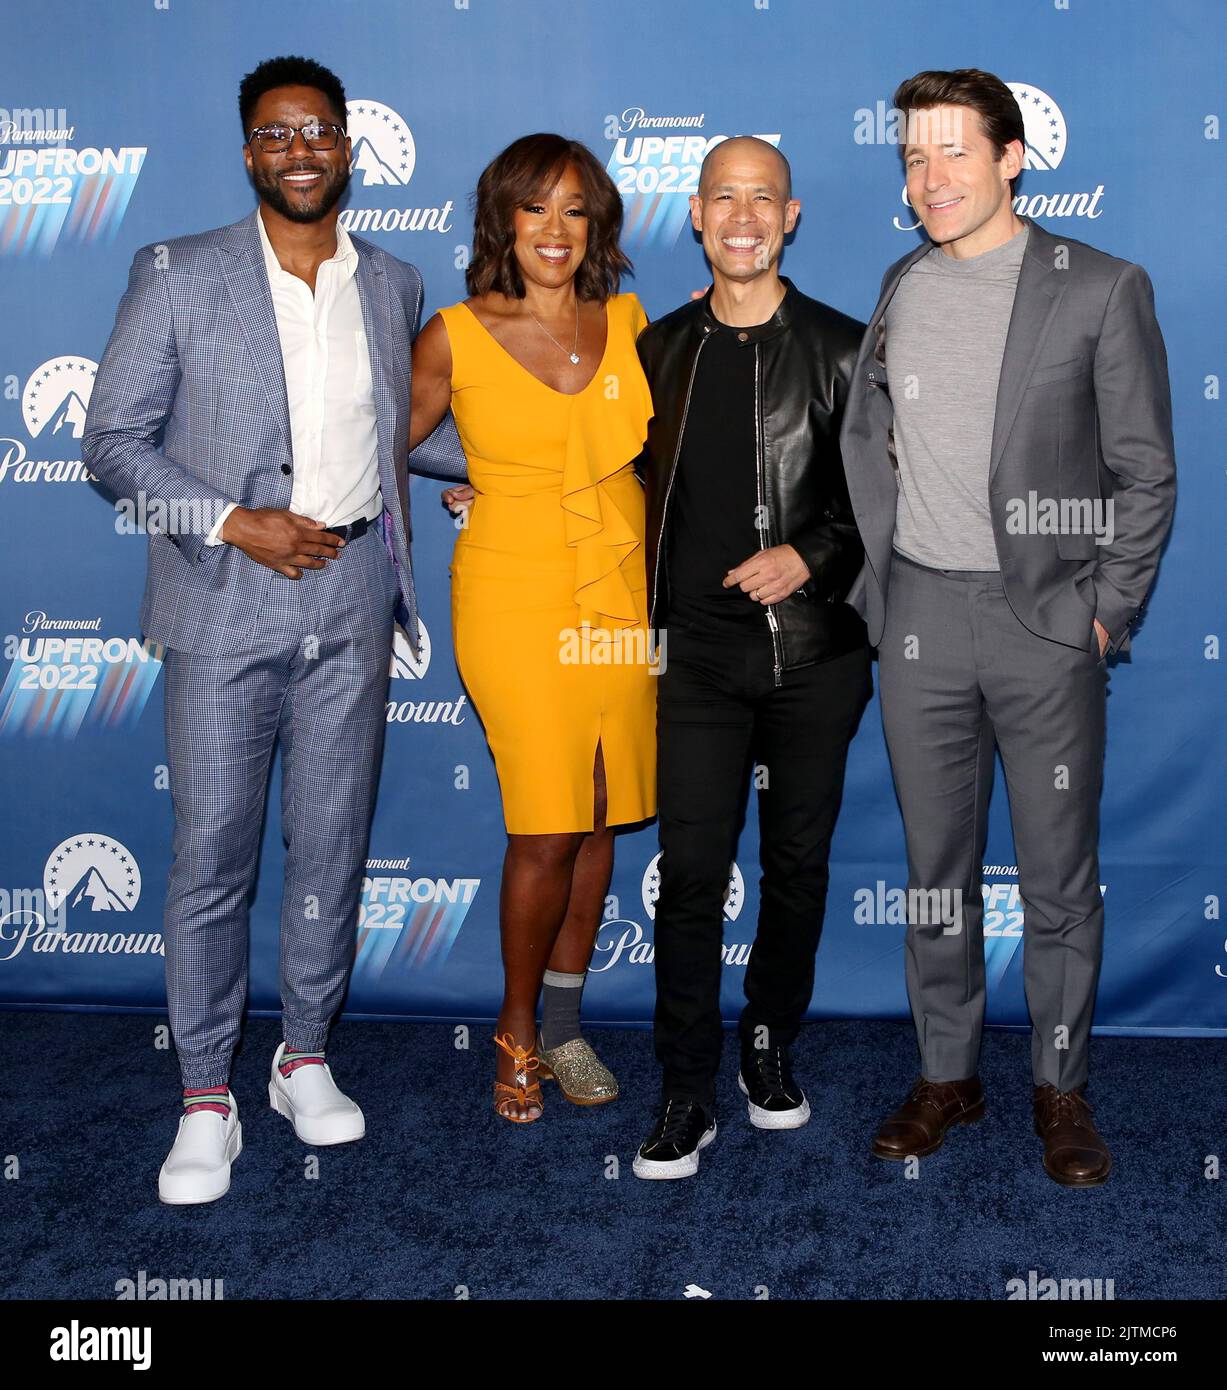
[(201, 1098), (291, 1060)]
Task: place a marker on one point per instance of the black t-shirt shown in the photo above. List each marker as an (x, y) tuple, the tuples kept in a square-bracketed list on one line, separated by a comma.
[(712, 511)]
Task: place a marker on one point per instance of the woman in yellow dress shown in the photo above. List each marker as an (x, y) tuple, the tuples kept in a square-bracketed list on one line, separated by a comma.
[(549, 617)]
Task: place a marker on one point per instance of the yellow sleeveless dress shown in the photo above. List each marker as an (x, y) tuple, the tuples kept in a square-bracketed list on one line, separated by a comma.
[(549, 590)]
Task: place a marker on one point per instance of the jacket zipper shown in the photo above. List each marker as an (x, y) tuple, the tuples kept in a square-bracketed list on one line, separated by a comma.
[(677, 453), (773, 621)]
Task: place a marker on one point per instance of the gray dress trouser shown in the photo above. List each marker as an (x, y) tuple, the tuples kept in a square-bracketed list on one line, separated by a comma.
[(960, 676)]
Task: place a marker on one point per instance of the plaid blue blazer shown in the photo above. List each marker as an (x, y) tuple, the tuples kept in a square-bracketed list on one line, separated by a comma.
[(189, 406)]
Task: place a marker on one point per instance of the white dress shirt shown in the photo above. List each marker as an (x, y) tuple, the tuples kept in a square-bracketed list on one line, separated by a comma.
[(327, 363)]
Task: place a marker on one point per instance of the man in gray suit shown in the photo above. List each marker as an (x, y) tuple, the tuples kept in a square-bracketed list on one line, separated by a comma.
[(254, 396), (1009, 458)]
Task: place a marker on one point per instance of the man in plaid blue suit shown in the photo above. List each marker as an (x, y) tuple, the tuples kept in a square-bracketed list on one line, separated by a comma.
[(256, 386)]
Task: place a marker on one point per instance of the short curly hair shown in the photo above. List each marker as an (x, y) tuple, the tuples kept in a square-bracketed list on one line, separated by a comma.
[(526, 169), (289, 72)]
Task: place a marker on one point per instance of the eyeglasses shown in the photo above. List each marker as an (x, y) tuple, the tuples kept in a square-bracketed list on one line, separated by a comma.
[(276, 139)]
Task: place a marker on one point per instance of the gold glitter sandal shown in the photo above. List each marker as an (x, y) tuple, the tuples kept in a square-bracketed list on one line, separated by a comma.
[(580, 1074), (522, 1093)]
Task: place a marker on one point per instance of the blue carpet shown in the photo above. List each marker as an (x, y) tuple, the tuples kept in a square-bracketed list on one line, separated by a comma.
[(442, 1193)]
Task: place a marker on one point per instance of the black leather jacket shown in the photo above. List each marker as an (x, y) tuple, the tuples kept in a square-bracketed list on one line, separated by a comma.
[(804, 356)]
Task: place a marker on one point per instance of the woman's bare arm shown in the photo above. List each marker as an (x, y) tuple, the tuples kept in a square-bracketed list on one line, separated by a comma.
[(432, 381)]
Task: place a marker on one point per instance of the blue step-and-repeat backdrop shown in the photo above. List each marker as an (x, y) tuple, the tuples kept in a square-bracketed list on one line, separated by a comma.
[(119, 127)]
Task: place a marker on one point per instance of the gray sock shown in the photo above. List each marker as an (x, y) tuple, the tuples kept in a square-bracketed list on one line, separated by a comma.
[(560, 1000)]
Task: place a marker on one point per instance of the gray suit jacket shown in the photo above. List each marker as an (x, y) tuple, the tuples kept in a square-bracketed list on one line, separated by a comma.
[(189, 411), (1083, 413)]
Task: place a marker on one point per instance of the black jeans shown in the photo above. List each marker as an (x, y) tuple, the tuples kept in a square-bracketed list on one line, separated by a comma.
[(718, 712)]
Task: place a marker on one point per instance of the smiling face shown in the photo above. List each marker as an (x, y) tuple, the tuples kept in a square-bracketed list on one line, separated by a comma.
[(551, 232), (743, 208), (302, 184), (957, 185)]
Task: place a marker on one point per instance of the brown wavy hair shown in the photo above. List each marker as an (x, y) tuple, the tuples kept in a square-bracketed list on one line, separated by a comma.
[(528, 167), (984, 92)]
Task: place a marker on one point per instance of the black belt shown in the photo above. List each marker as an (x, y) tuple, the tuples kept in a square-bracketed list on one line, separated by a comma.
[(352, 530)]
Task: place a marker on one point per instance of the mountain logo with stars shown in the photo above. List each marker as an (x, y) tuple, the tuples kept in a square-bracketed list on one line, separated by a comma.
[(56, 396), (383, 148), (1044, 125), (92, 873), (734, 894), (405, 666)]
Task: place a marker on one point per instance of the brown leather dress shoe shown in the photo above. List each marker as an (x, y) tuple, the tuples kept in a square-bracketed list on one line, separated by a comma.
[(920, 1123), (1075, 1154)]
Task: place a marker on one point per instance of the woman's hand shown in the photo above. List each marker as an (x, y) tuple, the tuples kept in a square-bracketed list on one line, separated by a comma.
[(459, 499)]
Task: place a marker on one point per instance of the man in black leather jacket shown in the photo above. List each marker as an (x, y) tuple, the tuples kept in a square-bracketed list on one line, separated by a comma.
[(751, 550)]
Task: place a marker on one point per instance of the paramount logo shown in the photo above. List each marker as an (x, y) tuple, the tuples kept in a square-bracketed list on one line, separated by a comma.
[(384, 155), (91, 868), (35, 125), (624, 940), (635, 118), (36, 620), (406, 666), (1060, 204), (46, 939), (426, 711), (17, 466)]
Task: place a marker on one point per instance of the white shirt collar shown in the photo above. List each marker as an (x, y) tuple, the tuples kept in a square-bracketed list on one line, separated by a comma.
[(346, 253)]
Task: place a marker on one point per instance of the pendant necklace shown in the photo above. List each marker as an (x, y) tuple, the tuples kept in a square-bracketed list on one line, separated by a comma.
[(573, 355)]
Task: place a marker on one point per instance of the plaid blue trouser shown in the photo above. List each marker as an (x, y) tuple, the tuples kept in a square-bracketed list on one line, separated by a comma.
[(317, 685)]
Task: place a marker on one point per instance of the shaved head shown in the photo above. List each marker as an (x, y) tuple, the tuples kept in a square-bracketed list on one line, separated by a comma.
[(743, 210), (740, 147)]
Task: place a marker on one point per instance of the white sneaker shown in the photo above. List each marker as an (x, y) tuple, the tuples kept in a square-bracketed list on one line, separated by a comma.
[(309, 1098), (682, 1129), (197, 1169), (786, 1111)]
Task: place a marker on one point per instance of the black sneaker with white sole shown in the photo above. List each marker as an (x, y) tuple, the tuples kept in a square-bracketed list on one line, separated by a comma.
[(773, 1098), (682, 1128)]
